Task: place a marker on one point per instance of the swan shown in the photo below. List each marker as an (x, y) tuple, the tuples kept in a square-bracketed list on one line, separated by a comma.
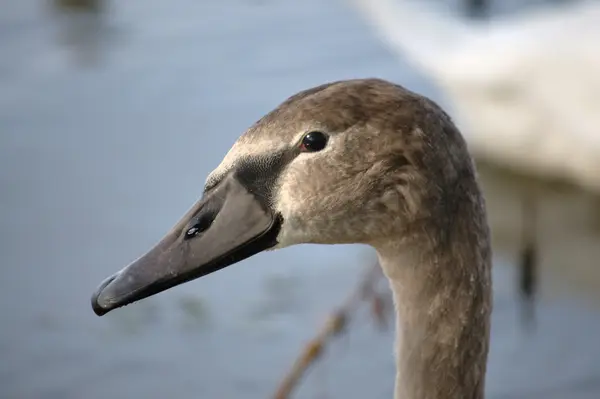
[(354, 161), (524, 90)]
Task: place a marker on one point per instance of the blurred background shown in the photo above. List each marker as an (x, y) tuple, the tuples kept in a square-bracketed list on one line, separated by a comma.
[(113, 112)]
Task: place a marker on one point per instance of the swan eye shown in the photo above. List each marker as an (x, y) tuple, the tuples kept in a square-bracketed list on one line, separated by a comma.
[(313, 141)]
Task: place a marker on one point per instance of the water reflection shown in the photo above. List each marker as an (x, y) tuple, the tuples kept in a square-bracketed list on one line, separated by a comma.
[(280, 295), (83, 29), (135, 320), (195, 313), (567, 228)]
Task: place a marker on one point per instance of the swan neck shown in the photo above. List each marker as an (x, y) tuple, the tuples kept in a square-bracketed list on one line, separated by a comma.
[(443, 304)]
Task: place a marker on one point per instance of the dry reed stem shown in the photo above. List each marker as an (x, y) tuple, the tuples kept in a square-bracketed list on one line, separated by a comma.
[(335, 324)]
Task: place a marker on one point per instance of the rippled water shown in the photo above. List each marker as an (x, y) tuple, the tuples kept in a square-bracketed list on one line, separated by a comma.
[(108, 125)]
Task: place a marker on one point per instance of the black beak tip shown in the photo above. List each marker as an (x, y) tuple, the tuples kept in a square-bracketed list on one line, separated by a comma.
[(98, 308)]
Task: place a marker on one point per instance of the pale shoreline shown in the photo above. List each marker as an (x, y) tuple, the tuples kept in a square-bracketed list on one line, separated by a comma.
[(532, 104)]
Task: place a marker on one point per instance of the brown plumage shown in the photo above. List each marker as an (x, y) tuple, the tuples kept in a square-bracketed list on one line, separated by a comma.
[(395, 174)]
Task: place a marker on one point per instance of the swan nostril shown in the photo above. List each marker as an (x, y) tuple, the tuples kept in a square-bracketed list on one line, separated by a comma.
[(202, 224)]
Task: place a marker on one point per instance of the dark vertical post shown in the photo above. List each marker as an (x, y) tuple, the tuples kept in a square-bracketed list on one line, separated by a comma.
[(528, 266)]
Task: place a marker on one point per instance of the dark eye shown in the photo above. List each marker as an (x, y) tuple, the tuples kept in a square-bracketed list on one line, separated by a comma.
[(201, 226), (313, 141)]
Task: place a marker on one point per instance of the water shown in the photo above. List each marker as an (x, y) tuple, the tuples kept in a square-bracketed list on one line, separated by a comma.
[(109, 124)]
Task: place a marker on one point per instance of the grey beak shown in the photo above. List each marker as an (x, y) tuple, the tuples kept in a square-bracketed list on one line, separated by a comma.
[(227, 225)]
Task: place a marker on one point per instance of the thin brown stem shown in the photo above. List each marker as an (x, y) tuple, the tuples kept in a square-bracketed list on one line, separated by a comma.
[(335, 324)]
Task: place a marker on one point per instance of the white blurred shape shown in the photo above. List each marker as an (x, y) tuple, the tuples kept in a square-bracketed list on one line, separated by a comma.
[(525, 90)]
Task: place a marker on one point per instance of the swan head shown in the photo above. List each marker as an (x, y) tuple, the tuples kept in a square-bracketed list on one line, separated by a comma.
[(355, 161)]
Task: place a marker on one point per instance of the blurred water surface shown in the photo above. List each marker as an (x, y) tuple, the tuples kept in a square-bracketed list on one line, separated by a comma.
[(109, 123)]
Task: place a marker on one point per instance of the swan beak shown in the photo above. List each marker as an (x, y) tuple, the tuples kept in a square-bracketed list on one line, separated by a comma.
[(227, 225)]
